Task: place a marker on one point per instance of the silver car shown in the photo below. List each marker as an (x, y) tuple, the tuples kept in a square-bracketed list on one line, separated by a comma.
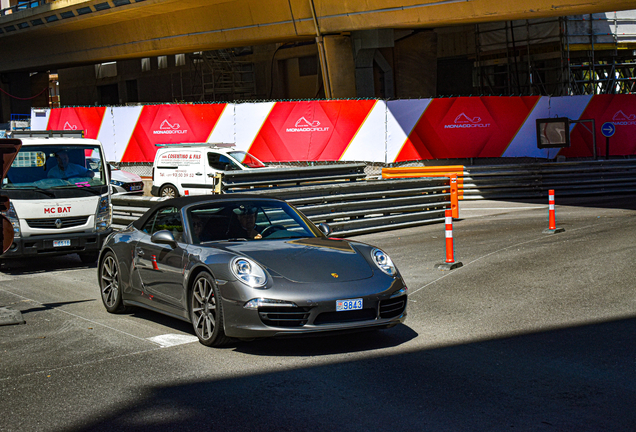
[(243, 266)]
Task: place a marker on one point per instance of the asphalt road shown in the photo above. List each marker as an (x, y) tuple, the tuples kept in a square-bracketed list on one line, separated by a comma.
[(536, 332)]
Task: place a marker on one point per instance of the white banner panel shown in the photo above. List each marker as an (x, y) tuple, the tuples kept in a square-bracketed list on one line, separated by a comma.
[(249, 118), (402, 116), (224, 130), (124, 120), (369, 143)]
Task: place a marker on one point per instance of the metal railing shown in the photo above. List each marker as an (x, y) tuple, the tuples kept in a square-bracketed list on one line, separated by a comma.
[(534, 180), (350, 208)]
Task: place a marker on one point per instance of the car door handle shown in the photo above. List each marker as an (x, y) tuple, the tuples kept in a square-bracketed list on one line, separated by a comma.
[(140, 252), (198, 173)]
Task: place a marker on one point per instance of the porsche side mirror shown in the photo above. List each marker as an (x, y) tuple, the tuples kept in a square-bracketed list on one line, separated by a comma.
[(164, 237), (325, 228)]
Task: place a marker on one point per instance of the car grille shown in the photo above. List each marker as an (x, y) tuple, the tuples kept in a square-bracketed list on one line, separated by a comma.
[(345, 316), (392, 307), (49, 223), (138, 186), (283, 316)]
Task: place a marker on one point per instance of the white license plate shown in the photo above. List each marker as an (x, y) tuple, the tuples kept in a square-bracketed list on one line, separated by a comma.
[(136, 187), (346, 305), (61, 243)]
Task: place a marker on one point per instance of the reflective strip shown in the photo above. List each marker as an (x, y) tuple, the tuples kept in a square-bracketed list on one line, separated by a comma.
[(551, 206), (449, 234), (551, 197), (449, 220)]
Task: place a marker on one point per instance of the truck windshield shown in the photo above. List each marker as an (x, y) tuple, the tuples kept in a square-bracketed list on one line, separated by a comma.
[(50, 168), (247, 159)]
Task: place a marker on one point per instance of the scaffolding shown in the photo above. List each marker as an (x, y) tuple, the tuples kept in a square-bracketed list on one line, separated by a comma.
[(583, 54), (219, 75)]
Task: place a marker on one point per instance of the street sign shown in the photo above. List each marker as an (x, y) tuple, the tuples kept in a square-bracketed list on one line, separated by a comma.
[(608, 129)]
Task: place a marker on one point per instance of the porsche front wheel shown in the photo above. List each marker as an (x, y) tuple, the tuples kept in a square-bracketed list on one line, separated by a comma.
[(206, 311), (109, 284)]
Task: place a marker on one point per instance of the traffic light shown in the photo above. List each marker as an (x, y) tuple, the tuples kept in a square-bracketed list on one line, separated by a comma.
[(9, 149)]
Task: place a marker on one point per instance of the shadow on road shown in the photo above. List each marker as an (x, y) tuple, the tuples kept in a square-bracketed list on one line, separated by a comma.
[(33, 265), (573, 379)]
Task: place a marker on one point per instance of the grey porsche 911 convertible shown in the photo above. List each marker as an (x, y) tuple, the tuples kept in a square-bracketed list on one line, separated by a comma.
[(242, 266)]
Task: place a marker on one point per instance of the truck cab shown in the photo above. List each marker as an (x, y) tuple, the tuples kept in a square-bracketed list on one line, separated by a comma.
[(59, 202), (192, 169)]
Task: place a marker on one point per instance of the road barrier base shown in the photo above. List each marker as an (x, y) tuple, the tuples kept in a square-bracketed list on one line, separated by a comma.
[(553, 231), (448, 266)]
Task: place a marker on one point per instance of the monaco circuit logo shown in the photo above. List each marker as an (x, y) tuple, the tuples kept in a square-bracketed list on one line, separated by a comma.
[(68, 126), (463, 121), (304, 125), (165, 128), (622, 119)]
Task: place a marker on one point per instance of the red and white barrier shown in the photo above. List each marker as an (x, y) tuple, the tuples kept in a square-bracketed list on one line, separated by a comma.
[(450, 263), (552, 228)]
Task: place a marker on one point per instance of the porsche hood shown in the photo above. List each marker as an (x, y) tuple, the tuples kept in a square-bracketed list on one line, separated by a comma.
[(308, 260)]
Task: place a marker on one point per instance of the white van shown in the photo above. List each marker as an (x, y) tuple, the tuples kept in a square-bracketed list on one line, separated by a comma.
[(60, 203), (190, 169)]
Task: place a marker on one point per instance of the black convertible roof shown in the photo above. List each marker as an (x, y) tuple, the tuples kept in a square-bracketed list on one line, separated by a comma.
[(187, 200)]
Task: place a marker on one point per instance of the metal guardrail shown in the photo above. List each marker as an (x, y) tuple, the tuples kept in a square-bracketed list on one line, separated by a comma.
[(534, 180), (350, 208), (238, 181)]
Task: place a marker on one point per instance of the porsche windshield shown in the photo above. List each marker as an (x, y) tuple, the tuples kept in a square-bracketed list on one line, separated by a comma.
[(247, 220), (49, 168)]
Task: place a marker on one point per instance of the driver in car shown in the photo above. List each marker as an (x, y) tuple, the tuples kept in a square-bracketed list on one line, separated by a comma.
[(66, 169), (246, 216)]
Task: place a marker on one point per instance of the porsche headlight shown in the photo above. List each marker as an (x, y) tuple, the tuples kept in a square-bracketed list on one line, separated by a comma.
[(383, 262), (248, 272)]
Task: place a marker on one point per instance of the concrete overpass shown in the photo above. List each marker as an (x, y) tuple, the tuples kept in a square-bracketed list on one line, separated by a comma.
[(67, 33)]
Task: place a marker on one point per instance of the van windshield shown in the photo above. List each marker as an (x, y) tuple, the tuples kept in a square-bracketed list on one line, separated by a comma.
[(47, 167), (247, 159)]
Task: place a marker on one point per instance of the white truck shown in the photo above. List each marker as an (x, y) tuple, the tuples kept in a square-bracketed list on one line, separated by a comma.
[(60, 203), (191, 169)]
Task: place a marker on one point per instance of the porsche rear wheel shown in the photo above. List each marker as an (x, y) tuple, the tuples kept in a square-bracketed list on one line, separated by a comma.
[(206, 311), (109, 285)]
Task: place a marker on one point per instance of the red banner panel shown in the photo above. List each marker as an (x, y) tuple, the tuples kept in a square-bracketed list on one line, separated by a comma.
[(617, 109), (467, 127), (88, 119), (309, 131), (170, 124)]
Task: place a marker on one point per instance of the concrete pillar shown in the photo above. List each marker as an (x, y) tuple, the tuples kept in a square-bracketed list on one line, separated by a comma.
[(416, 65), (365, 45), (339, 73)]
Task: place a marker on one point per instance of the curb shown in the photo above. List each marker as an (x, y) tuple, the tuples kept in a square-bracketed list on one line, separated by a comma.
[(9, 317)]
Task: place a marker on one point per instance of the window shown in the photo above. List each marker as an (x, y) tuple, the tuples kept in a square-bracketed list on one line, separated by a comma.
[(179, 60), (167, 218), (145, 64), (162, 62), (221, 162)]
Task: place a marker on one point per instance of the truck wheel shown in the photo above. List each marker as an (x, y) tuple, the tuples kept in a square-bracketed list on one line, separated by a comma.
[(168, 191)]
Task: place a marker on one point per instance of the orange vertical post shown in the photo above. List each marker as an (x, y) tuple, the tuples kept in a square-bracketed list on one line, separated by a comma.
[(454, 196)]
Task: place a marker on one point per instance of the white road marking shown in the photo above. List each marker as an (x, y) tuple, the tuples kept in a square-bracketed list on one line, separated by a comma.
[(169, 340)]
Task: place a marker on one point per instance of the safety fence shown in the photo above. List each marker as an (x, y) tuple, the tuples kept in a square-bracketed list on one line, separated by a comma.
[(237, 181), (350, 208), (532, 180)]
